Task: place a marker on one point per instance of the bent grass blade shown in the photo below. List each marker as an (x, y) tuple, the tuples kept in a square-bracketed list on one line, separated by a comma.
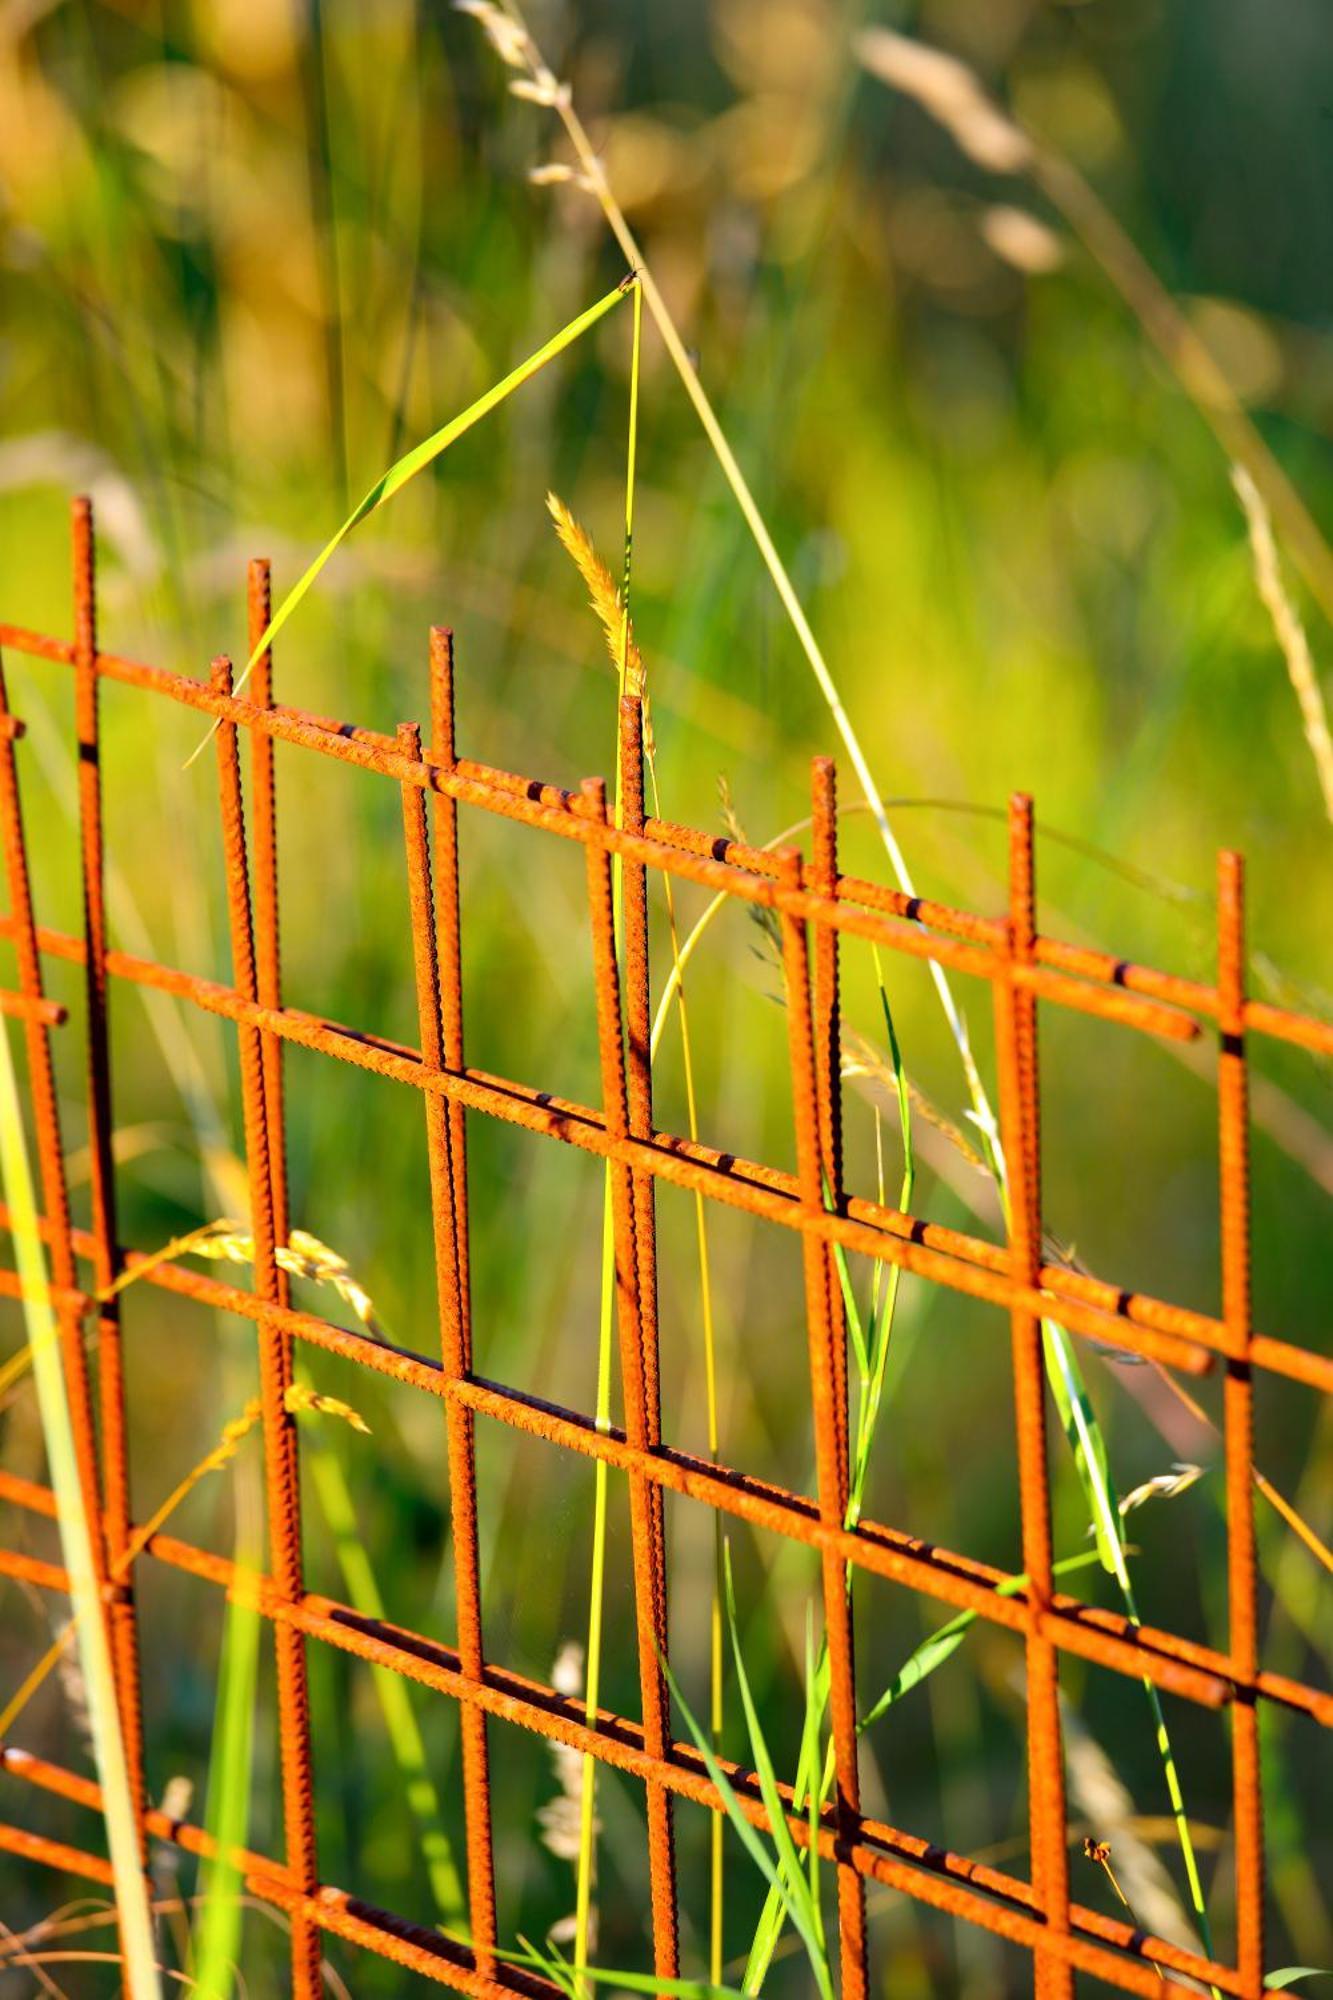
[(417, 460), (793, 1889)]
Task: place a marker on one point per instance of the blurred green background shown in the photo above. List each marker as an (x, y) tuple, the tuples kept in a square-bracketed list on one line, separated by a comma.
[(250, 250)]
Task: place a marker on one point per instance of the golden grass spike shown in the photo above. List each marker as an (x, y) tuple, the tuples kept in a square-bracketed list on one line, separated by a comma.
[(301, 1397), (223, 1238), (304, 1256), (505, 37), (863, 1058), (230, 1242), (602, 593)]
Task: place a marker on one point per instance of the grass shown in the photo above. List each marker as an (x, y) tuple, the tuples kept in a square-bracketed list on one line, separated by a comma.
[(1136, 652), (217, 1932), (952, 95), (139, 1954)]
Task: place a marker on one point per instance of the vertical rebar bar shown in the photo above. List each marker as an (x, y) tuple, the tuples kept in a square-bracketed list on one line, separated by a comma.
[(646, 1522), (50, 1150), (456, 1354), (1020, 1121), (830, 1428), (638, 1052), (449, 938), (828, 1052), (102, 1188), (281, 1476), (1238, 1413), (268, 955)]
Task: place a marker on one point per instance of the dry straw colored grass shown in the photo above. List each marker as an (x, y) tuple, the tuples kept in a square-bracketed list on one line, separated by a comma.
[(1290, 631)]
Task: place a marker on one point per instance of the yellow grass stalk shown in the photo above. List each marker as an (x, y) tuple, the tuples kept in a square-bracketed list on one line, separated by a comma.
[(130, 1883), (1289, 629), (508, 32), (222, 1453), (612, 611)]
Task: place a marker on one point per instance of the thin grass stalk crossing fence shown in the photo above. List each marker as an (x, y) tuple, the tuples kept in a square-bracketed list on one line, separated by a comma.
[(814, 906)]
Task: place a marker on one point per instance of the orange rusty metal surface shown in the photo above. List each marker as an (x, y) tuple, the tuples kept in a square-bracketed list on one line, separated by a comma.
[(815, 905)]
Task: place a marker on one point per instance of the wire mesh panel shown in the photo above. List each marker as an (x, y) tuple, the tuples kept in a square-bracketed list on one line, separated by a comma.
[(814, 905)]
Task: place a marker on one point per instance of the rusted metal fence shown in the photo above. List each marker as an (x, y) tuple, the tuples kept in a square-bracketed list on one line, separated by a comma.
[(815, 906)]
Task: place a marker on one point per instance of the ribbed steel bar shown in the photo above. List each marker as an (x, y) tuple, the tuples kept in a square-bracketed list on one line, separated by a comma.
[(638, 1053), (1238, 1413), (541, 805), (449, 937), (639, 1123), (281, 1478), (613, 1740), (1181, 1667), (1187, 1333), (1020, 1116), (642, 1423), (102, 1181), (455, 1349), (827, 1030), (46, 1121), (830, 1435), (268, 954), (1174, 1335), (24, 1007), (1063, 972)]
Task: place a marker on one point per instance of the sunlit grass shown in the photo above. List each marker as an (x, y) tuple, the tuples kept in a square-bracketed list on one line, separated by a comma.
[(940, 453)]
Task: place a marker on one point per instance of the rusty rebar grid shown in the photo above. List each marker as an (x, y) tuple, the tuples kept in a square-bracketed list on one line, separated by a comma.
[(814, 906)]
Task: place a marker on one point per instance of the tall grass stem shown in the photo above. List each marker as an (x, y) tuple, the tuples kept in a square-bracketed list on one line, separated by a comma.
[(76, 1533)]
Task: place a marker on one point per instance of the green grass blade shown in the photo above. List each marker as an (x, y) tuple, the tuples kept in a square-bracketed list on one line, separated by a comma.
[(855, 1327), (795, 1889), (750, 1837), (814, 1710), (130, 1884), (423, 454), (1289, 1974), (1090, 1459), (935, 1650), (558, 1969), (227, 1812), (930, 1654), (1084, 1433)]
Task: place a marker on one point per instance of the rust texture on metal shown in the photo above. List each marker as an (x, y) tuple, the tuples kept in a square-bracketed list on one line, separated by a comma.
[(815, 907)]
